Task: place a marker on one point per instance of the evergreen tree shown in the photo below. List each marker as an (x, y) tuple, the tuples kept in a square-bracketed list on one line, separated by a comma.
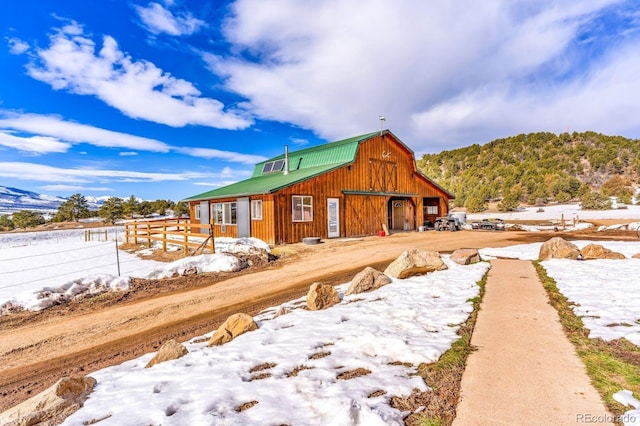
[(130, 206), (76, 207), (6, 224), (112, 210), (27, 219), (593, 200)]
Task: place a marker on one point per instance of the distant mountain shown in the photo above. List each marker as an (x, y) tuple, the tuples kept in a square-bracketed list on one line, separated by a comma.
[(14, 199), (537, 168)]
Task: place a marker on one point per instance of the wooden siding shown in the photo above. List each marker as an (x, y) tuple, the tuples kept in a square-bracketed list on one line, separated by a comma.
[(264, 229), (383, 166)]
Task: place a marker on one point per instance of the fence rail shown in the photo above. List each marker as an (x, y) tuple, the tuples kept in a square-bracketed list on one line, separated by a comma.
[(180, 232)]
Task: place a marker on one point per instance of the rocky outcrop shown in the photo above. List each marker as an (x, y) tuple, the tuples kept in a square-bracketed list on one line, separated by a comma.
[(51, 406), (322, 296), (465, 256), (367, 280), (415, 262), (597, 251), (233, 327), (558, 248), (170, 350)]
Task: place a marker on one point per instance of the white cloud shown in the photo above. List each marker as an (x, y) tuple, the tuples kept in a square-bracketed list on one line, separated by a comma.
[(444, 74), (209, 153), (55, 127), (17, 46), (33, 144), (53, 134), (158, 19), (78, 188), (138, 89), (44, 173)]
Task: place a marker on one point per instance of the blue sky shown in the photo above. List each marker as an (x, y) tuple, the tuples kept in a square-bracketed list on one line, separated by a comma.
[(167, 99)]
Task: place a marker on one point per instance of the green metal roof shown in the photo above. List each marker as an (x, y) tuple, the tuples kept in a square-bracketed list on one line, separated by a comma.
[(303, 164)]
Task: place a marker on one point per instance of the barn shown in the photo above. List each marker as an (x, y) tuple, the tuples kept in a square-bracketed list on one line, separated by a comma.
[(346, 188)]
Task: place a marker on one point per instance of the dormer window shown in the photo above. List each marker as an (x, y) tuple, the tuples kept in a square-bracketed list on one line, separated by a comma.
[(272, 167)]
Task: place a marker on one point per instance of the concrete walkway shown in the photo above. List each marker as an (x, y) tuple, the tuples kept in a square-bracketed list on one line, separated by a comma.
[(525, 371)]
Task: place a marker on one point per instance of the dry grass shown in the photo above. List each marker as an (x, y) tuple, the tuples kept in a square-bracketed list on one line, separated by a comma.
[(611, 366), (265, 366), (260, 376), (319, 355), (246, 406), (437, 406), (298, 369), (352, 374)]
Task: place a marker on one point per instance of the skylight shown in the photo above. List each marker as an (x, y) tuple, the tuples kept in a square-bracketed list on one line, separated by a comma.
[(272, 166)]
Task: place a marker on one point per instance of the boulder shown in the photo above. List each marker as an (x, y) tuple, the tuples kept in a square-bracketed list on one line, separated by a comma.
[(322, 296), (596, 251), (465, 256), (415, 262), (233, 327), (367, 280), (636, 256), (170, 350), (558, 248), (51, 406)]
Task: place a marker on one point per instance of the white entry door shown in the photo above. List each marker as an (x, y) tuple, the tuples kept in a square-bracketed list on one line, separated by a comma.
[(333, 217)]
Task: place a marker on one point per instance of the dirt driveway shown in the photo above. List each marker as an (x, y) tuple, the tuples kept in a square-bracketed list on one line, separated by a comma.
[(36, 350)]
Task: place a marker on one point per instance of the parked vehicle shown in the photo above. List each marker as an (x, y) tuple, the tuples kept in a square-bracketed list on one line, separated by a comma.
[(489, 224), (447, 223)]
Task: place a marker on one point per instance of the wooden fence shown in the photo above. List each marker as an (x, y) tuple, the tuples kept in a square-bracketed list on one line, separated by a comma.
[(180, 232)]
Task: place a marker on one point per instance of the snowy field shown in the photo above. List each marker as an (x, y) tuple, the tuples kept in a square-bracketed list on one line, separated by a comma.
[(412, 320), (567, 211), (40, 269)]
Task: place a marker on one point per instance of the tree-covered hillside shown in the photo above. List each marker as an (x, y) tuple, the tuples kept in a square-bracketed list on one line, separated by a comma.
[(537, 168)]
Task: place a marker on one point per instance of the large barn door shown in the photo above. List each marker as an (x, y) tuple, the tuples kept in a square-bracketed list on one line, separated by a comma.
[(242, 217), (365, 214)]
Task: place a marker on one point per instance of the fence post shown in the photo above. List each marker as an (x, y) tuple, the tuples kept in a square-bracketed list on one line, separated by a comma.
[(213, 243), (186, 239), (106, 238), (148, 234), (135, 233), (164, 237)]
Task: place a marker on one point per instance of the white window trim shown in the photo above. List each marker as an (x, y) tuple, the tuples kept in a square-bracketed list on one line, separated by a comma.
[(226, 211), (432, 209), (301, 200), (256, 209), (197, 211)]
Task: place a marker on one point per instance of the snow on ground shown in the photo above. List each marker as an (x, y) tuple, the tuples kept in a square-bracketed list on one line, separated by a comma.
[(41, 269), (568, 211), (412, 321)]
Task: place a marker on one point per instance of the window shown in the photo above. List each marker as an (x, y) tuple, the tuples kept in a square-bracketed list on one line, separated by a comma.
[(256, 209), (224, 214), (197, 209), (302, 208), (432, 209)]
